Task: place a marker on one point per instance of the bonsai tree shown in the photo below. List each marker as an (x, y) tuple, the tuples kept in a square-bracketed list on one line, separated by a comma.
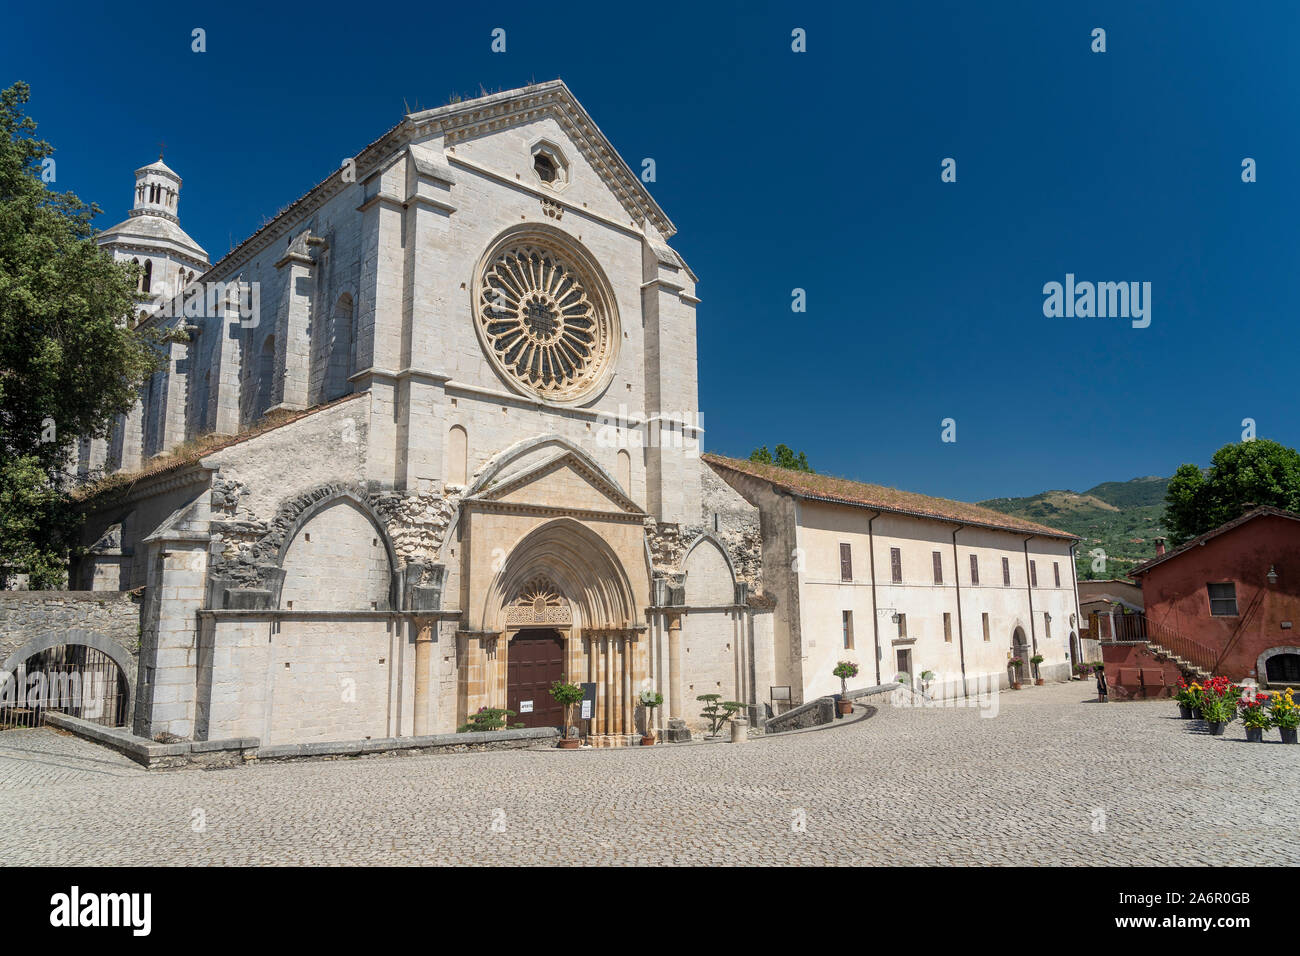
[(844, 670), (566, 695), (718, 711), (1036, 660), (487, 718), (650, 699), (1016, 665)]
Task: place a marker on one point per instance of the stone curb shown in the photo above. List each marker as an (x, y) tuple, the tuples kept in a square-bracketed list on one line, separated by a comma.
[(152, 755), (519, 738), (823, 708)]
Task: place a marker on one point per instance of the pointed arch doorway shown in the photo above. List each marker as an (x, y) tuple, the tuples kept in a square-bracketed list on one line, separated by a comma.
[(534, 661)]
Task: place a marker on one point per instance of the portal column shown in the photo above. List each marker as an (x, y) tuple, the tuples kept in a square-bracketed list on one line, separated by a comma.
[(423, 674), (675, 663)]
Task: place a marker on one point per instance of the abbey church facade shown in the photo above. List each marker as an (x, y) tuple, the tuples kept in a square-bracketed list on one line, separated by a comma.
[(430, 440)]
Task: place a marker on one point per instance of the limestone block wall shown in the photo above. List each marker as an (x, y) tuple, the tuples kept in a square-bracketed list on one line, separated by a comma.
[(287, 679), (31, 621)]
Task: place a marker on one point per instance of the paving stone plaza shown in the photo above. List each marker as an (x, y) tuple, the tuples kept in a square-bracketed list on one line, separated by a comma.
[(1054, 778)]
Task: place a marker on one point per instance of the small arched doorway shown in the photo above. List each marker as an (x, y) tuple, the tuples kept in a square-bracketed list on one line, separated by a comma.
[(534, 661), (1020, 650)]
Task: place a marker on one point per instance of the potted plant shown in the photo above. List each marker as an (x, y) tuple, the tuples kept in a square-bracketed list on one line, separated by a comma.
[(650, 699), (1016, 664), (1256, 716), (1082, 670), (1285, 715), (844, 670), (1036, 660), (1188, 697), (926, 678), (566, 695), (1219, 704)]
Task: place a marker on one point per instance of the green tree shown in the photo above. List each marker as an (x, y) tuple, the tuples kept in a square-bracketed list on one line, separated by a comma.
[(785, 457), (68, 364), (1240, 476)]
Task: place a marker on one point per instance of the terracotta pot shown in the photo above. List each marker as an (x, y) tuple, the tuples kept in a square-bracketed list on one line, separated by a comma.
[(1039, 682), (845, 707), (1015, 685), (1184, 712), (1288, 734), (647, 741), (568, 743), (1217, 727), (1255, 735)]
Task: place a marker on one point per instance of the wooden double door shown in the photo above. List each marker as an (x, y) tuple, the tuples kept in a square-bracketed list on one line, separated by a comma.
[(535, 662)]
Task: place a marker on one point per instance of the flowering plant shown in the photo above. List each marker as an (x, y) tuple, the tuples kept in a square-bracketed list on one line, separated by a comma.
[(1189, 695), (1219, 700), (844, 670), (1255, 713), (1284, 711)]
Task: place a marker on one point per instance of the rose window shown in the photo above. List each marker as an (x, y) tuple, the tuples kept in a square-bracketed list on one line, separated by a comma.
[(539, 320)]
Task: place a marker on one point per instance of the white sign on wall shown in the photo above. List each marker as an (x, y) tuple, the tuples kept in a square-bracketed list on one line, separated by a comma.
[(525, 707)]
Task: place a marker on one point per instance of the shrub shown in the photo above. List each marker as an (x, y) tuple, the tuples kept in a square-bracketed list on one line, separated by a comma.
[(487, 718)]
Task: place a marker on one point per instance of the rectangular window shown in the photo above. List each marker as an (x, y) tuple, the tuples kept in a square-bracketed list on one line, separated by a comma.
[(1006, 573), (986, 625), (947, 627), (896, 565), (1056, 572), (938, 568), (1033, 574), (848, 630), (1047, 625), (1223, 599), (902, 626), (974, 570), (846, 561)]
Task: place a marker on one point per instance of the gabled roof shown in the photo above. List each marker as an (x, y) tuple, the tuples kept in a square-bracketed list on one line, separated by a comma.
[(880, 498), (1199, 540), (459, 120)]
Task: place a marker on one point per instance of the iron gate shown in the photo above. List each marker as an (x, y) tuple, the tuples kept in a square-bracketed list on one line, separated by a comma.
[(74, 679)]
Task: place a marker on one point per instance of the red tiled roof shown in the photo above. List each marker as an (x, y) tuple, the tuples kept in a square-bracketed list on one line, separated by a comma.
[(880, 498), (1250, 515)]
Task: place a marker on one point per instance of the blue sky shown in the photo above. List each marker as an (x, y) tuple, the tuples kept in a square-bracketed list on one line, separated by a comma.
[(816, 170)]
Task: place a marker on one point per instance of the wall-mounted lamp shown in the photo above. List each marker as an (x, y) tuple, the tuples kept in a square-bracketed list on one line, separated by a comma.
[(1272, 574)]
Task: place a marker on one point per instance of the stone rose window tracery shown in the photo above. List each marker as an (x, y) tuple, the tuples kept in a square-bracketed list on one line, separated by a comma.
[(539, 602), (542, 321)]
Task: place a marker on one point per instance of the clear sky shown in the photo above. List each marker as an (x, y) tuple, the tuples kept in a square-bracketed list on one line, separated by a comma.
[(817, 170)]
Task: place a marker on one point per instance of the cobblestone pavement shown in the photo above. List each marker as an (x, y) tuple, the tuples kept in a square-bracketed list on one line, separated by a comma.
[(907, 786)]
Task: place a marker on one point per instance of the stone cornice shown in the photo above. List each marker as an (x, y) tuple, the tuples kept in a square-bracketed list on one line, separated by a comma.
[(518, 508)]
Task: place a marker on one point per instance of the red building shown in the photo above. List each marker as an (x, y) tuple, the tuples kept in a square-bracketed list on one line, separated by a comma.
[(1229, 599)]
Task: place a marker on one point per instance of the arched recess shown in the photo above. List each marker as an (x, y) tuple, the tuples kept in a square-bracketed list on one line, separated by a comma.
[(457, 452), (1283, 660), (337, 556), (710, 576), (339, 363), (265, 376), (581, 565), (106, 645), (624, 471)]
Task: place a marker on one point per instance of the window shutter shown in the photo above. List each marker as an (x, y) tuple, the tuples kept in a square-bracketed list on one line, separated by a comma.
[(1006, 572), (896, 565), (1033, 574), (1056, 572), (974, 569), (846, 562), (938, 568)]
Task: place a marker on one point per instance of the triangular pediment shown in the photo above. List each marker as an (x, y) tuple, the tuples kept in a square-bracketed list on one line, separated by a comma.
[(565, 481), (483, 115)]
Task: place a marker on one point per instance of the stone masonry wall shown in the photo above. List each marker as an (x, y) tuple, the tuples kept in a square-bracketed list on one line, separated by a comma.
[(51, 615)]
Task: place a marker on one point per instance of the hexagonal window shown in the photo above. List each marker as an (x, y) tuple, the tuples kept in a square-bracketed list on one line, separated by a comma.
[(549, 165)]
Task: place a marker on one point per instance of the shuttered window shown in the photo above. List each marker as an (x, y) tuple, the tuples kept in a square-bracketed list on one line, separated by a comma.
[(947, 627), (846, 561), (986, 625), (1006, 572), (1056, 572), (896, 565), (1223, 599), (1033, 574), (938, 567), (848, 630), (974, 570), (902, 626)]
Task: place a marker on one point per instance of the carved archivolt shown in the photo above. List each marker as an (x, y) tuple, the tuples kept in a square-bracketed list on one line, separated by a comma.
[(544, 318), (539, 603)]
